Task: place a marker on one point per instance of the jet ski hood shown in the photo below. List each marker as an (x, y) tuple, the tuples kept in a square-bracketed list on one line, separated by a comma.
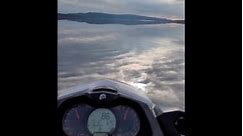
[(121, 88)]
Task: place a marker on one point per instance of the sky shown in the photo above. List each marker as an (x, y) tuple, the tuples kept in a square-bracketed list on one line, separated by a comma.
[(173, 9)]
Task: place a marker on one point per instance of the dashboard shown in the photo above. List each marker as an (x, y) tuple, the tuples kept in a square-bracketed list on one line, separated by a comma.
[(112, 108), (84, 120), (86, 116)]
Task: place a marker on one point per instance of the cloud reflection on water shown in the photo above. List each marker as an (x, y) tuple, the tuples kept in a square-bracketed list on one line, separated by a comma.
[(148, 57)]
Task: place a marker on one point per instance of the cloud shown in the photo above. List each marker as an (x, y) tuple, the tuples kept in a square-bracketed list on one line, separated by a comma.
[(160, 8), (85, 39)]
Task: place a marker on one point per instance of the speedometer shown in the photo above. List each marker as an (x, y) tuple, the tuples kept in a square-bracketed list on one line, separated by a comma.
[(74, 120), (101, 121), (129, 122)]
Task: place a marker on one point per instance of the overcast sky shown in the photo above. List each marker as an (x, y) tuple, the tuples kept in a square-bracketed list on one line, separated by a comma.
[(159, 8)]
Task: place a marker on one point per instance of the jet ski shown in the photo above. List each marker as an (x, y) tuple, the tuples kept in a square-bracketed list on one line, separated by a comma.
[(113, 108)]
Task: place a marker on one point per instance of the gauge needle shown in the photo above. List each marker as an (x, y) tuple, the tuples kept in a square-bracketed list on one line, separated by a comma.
[(77, 114), (125, 114)]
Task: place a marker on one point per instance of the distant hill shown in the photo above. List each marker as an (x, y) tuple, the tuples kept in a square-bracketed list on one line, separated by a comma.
[(104, 18)]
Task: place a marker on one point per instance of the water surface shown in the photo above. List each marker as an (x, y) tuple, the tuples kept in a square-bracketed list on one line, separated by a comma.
[(149, 57)]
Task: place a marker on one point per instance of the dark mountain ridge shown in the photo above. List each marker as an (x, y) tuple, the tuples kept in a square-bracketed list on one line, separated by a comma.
[(104, 18)]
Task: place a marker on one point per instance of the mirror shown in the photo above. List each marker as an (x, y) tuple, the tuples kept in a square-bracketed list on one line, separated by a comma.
[(173, 123)]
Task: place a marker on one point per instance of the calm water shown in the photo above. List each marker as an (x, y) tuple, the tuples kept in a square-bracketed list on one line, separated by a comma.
[(149, 57)]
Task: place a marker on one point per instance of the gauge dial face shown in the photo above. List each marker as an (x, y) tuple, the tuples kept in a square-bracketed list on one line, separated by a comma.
[(74, 120), (101, 121), (129, 122)]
